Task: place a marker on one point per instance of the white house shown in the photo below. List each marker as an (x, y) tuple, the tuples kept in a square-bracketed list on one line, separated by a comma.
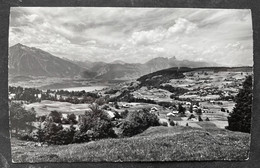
[(170, 115), (175, 112)]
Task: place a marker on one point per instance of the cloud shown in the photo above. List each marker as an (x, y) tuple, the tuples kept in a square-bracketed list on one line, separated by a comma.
[(136, 34), (148, 37), (158, 49), (236, 46), (210, 50), (180, 28)]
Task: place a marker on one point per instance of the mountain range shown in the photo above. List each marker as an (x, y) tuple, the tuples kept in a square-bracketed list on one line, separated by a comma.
[(31, 61)]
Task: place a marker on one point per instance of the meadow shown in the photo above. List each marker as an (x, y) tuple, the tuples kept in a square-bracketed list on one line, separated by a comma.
[(155, 144)]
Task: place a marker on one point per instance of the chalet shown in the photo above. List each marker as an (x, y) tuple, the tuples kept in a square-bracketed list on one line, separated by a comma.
[(154, 109), (175, 112), (11, 96), (188, 103), (170, 116), (195, 106), (110, 114)]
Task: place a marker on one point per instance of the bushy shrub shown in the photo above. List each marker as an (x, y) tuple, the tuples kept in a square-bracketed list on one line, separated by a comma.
[(20, 118), (173, 96), (96, 121), (199, 112), (182, 115), (222, 109), (124, 113), (64, 121), (72, 118), (73, 100), (51, 130), (80, 137), (165, 104), (172, 123), (111, 91), (165, 124), (103, 129), (55, 116), (219, 103), (65, 136), (87, 99), (100, 101), (131, 128), (139, 121), (25, 137), (54, 133), (91, 94)]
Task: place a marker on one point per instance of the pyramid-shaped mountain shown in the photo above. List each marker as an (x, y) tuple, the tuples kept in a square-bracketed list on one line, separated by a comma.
[(30, 61)]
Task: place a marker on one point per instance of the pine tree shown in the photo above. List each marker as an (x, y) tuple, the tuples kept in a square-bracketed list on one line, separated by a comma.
[(191, 108), (181, 109), (240, 118)]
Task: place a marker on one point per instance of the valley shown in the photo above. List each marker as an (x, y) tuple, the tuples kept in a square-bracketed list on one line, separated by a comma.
[(210, 91), (139, 84), (184, 99)]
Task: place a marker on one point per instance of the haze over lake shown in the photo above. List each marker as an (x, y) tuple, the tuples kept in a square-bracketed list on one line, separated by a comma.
[(86, 88)]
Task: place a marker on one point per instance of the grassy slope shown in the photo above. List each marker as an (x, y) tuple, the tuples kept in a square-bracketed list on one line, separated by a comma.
[(155, 144)]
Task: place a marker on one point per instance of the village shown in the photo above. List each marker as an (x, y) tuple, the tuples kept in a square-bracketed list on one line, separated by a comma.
[(209, 97)]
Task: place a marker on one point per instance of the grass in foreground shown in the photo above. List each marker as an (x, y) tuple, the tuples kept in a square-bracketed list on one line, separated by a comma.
[(155, 144)]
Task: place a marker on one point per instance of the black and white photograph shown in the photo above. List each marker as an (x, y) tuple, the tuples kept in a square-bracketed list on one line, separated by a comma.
[(125, 84)]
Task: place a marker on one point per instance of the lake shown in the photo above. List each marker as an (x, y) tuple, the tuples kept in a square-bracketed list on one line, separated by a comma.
[(86, 88)]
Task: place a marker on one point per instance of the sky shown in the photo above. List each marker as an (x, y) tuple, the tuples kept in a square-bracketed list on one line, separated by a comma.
[(136, 35)]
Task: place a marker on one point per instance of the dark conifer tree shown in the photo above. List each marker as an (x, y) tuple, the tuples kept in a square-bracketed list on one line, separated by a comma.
[(240, 118), (181, 109)]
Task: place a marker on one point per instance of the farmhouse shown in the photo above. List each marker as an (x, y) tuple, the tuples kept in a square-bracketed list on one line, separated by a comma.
[(175, 112), (11, 96), (188, 103), (170, 116), (154, 109), (110, 114)]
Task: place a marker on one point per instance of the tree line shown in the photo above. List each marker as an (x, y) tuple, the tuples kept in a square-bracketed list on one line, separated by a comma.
[(93, 125), (32, 95)]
